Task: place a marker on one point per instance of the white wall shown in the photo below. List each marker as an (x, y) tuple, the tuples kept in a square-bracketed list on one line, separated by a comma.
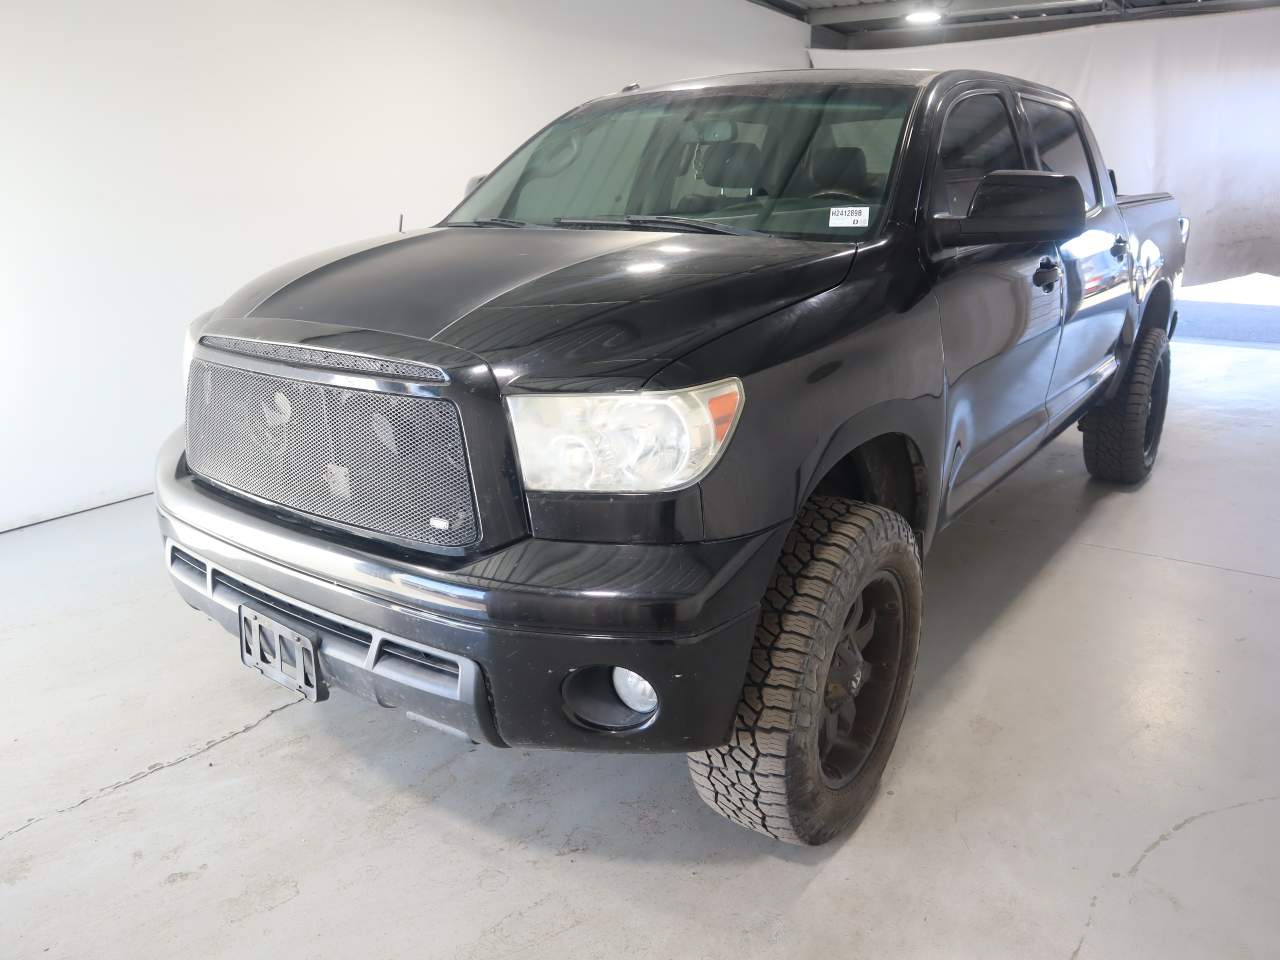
[(158, 154), (1188, 105)]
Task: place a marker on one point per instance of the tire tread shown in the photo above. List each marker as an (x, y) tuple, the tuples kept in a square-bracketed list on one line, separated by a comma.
[(1114, 431), (747, 779)]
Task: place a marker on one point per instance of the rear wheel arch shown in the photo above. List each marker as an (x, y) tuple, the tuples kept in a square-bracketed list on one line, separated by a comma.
[(1155, 313), (1157, 309), (1122, 435)]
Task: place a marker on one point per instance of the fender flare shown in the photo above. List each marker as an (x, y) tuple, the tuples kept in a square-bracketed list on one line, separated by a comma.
[(1137, 320), (1162, 288), (919, 421)]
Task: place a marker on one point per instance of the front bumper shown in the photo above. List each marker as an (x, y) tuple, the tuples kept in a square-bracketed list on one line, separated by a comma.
[(485, 647)]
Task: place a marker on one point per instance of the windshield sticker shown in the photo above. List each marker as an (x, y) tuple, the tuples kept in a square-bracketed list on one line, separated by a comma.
[(849, 217)]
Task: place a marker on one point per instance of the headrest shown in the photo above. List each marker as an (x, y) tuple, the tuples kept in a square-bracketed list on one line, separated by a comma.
[(732, 165), (839, 168)]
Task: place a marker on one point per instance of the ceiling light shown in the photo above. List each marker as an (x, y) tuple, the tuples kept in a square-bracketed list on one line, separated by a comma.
[(924, 17)]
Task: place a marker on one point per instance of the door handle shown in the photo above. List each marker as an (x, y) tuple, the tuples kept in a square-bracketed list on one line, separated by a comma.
[(1120, 247), (1047, 275)]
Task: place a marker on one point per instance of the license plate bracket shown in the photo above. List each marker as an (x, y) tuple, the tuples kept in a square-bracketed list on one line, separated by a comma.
[(282, 653)]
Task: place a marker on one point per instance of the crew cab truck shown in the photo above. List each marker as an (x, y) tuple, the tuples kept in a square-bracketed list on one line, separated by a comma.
[(641, 448)]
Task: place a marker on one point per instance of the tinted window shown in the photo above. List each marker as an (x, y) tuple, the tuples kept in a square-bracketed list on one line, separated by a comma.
[(976, 139), (776, 158), (877, 139), (1062, 150)]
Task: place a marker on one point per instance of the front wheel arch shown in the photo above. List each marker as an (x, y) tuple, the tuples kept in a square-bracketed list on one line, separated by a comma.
[(901, 436)]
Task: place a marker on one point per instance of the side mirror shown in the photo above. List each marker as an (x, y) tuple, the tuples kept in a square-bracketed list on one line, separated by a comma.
[(1017, 206), (473, 183)]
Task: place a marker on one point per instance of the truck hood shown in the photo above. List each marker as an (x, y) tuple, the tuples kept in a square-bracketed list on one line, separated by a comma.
[(545, 306)]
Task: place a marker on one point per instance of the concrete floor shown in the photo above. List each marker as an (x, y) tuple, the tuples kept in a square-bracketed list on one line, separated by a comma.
[(1090, 765), (1243, 309)]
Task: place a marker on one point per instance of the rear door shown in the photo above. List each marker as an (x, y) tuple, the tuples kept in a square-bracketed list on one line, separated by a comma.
[(1095, 264), (999, 329)]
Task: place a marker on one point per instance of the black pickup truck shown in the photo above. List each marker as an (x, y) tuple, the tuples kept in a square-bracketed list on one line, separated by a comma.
[(642, 447)]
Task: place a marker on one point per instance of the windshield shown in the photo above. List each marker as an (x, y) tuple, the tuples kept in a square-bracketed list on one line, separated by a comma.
[(803, 160)]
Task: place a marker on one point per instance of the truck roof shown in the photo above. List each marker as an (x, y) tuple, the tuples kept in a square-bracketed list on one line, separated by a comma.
[(834, 76)]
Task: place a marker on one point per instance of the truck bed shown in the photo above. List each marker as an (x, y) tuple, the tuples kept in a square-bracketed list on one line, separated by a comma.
[(1157, 235)]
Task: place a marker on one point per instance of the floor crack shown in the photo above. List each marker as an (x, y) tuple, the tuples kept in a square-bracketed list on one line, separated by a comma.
[(1151, 848), (1161, 556), (1168, 834), (1081, 542), (154, 768), (1085, 932)]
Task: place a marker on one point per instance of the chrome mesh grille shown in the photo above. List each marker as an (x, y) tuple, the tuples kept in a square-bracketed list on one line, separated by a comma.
[(328, 359), (387, 463)]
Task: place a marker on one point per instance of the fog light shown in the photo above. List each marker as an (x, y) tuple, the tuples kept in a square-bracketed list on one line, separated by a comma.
[(634, 690)]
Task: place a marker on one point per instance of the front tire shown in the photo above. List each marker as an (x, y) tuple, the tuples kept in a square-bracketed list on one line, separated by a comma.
[(1122, 437), (830, 672)]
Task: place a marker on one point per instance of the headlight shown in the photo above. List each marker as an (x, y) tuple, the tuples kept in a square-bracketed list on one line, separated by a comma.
[(642, 442)]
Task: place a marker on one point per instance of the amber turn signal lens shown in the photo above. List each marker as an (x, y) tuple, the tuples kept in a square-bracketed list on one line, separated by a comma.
[(722, 409)]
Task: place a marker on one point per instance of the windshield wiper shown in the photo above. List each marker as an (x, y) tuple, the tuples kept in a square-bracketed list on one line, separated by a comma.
[(656, 222), (488, 222), (691, 223)]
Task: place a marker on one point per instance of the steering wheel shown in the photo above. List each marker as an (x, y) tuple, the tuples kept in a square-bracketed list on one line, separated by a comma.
[(839, 195)]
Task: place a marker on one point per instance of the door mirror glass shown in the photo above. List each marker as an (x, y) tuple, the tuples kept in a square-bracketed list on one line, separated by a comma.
[(1017, 206)]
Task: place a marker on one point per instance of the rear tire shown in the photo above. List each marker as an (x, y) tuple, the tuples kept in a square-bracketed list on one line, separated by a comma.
[(830, 672), (1122, 437)]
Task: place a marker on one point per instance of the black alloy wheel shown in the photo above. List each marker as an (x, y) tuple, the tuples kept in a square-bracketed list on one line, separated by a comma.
[(861, 680)]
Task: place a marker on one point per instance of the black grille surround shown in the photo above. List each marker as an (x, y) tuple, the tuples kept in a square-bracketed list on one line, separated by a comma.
[(387, 463)]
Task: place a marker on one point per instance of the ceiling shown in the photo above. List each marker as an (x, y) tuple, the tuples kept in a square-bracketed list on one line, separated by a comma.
[(861, 24)]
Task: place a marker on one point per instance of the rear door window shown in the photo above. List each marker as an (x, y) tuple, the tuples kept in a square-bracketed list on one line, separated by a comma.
[(1061, 146)]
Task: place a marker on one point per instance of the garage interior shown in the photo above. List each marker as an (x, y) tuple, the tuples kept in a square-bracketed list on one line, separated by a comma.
[(1089, 766)]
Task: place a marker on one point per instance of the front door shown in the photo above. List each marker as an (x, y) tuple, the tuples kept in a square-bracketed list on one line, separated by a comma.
[(1000, 307)]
